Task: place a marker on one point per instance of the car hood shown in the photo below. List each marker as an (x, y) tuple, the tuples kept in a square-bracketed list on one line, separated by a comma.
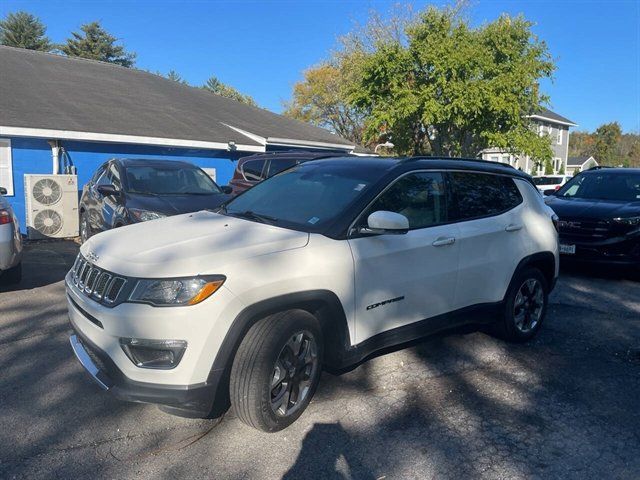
[(175, 204), (185, 245), (592, 208)]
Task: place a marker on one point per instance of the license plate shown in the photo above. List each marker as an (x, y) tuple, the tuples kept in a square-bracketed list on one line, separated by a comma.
[(568, 249)]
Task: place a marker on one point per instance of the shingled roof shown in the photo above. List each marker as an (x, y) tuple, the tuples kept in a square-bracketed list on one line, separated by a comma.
[(546, 114), (43, 94)]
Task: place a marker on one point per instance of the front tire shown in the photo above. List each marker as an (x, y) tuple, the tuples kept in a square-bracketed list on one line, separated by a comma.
[(276, 370), (525, 306)]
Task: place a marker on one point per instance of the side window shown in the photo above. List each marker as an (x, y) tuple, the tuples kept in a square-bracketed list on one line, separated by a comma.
[(103, 179), (277, 165), (482, 195), (98, 173), (421, 197), (114, 176), (252, 170)]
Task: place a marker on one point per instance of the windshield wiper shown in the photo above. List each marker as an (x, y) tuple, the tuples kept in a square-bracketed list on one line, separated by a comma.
[(250, 215)]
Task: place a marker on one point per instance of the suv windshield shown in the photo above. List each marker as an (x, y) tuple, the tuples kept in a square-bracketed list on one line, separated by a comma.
[(604, 185), (547, 180), (307, 197), (169, 180)]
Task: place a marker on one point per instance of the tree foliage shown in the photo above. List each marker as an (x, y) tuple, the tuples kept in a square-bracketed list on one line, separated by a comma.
[(450, 89), (176, 77), (608, 145), (321, 99), (96, 43), (214, 85), (24, 30)]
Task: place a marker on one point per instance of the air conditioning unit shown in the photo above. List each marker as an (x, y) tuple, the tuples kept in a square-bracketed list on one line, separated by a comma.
[(52, 206)]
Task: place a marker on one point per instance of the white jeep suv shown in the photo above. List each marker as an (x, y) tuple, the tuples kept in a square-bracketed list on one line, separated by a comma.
[(320, 265)]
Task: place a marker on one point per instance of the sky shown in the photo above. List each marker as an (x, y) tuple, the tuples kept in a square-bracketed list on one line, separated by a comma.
[(263, 47)]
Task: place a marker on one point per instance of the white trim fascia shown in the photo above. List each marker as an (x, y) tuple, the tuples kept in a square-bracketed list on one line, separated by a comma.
[(119, 138), (290, 142), (252, 136), (552, 120)]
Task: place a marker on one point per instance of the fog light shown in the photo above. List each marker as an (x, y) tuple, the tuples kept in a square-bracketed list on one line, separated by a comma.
[(161, 354)]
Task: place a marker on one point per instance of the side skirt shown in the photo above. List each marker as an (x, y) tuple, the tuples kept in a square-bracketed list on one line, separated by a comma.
[(484, 313)]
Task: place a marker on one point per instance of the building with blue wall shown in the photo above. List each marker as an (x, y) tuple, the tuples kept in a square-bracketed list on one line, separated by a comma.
[(57, 111)]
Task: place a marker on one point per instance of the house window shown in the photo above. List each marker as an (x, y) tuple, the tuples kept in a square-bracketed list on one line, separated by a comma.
[(559, 137), (494, 158), (557, 165), (6, 166)]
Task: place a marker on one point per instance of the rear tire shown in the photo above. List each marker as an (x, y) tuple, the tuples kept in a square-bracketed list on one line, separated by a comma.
[(12, 276), (525, 306), (276, 370)]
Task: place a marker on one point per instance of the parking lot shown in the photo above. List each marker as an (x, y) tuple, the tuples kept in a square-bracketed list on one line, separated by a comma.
[(461, 404)]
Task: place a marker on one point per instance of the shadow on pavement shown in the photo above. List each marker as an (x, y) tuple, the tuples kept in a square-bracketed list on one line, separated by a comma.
[(457, 405)]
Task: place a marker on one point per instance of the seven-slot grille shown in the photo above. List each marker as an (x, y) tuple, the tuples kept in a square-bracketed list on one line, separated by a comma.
[(94, 282)]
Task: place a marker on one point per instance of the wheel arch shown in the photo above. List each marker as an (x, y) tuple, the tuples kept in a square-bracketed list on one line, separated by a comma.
[(543, 261), (322, 304)]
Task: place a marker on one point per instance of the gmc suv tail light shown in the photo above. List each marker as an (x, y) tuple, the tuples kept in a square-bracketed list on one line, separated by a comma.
[(5, 217), (555, 219)]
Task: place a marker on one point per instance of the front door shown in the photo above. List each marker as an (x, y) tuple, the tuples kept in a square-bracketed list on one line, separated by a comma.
[(401, 279)]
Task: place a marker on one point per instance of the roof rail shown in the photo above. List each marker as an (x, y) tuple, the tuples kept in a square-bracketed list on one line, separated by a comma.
[(475, 160)]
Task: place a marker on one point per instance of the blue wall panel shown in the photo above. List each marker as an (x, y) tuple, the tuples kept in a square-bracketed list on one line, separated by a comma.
[(33, 155)]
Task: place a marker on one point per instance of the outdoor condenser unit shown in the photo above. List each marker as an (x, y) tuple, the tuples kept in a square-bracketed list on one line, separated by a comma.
[(51, 206)]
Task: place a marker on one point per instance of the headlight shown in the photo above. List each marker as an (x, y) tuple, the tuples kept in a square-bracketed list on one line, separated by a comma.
[(175, 291), (631, 221), (145, 215)]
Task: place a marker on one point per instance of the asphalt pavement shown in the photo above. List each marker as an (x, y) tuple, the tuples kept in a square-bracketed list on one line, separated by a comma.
[(459, 405)]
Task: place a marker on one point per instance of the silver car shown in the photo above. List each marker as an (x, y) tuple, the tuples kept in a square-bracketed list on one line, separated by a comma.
[(10, 243)]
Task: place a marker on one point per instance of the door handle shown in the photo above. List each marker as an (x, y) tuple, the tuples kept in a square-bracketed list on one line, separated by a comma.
[(442, 241), (513, 228)]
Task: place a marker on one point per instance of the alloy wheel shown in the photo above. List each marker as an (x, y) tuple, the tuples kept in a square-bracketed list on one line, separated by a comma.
[(293, 373), (528, 305)]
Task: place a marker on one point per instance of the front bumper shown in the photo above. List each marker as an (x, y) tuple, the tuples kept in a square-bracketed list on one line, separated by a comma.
[(192, 387), (618, 251), (188, 400)]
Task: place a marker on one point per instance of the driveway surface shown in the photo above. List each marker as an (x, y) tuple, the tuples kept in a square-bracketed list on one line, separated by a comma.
[(459, 405)]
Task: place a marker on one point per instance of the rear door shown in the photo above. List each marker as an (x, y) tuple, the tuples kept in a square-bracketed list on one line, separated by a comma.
[(401, 279), (488, 209)]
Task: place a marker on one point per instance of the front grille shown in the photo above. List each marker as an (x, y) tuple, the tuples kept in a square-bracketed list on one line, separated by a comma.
[(586, 230), (101, 285)]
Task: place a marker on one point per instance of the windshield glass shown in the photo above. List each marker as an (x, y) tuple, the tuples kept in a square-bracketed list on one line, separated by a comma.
[(169, 180), (604, 186), (307, 197), (547, 180)]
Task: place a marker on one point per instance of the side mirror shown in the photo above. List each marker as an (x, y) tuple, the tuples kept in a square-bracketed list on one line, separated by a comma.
[(107, 190), (384, 222), (549, 191), (3, 191), (226, 189)]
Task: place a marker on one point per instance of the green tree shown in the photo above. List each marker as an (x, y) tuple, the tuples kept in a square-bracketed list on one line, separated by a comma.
[(214, 85), (606, 138), (23, 30), (321, 99), (176, 77), (96, 43), (450, 89)]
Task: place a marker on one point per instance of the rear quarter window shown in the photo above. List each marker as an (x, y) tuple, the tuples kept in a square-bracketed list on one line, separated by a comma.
[(252, 170), (277, 165), (478, 195)]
